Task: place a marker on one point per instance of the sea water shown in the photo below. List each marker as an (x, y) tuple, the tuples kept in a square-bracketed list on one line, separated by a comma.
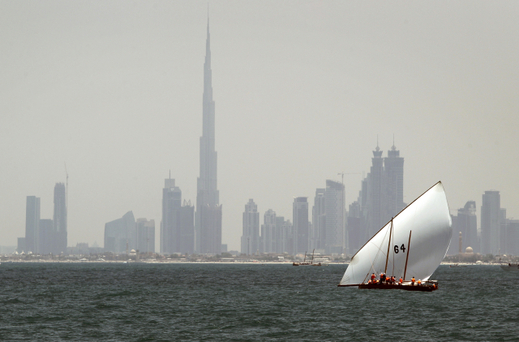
[(248, 302)]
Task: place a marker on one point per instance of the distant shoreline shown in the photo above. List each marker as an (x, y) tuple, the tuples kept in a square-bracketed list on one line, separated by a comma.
[(289, 263)]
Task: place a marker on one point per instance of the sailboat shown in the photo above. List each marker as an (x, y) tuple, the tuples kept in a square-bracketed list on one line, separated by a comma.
[(412, 244), (306, 263)]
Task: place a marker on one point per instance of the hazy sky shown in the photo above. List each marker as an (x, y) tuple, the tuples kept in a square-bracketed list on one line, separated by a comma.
[(302, 89)]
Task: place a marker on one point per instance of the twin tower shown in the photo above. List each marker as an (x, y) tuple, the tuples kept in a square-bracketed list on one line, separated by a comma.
[(184, 229)]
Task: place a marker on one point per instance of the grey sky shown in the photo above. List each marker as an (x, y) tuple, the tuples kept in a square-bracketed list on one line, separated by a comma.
[(302, 89)]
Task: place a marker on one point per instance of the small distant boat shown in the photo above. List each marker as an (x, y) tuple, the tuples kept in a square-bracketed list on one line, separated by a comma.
[(306, 263), (510, 267), (427, 220)]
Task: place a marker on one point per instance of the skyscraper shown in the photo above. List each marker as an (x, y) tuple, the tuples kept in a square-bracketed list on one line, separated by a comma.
[(301, 229), (466, 224), (208, 218), (267, 242), (375, 202), (46, 236), (394, 170), (319, 219), (60, 218), (186, 228), (250, 237), (490, 227), (171, 204), (32, 224), (145, 235), (382, 195), (334, 202), (120, 234), (281, 235)]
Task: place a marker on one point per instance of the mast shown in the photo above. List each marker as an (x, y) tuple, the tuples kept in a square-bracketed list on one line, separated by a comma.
[(388, 245), (313, 256), (407, 257)]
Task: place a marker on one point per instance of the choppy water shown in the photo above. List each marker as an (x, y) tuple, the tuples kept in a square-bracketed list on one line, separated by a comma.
[(208, 302)]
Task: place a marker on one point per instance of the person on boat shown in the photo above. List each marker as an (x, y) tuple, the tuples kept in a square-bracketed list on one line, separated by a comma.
[(419, 282), (393, 279), (400, 281), (373, 276), (382, 277), (412, 281)]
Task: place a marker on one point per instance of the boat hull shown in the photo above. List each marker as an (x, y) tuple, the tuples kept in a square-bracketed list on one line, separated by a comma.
[(305, 264), (425, 287)]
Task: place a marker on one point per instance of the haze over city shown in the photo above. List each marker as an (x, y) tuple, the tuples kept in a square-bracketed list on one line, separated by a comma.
[(303, 91)]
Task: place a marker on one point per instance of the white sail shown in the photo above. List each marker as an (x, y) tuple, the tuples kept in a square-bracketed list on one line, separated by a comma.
[(429, 220)]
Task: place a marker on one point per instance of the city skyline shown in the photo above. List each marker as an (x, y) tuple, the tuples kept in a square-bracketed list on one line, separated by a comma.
[(303, 90)]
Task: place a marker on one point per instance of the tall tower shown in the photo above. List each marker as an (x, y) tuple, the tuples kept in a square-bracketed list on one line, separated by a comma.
[(301, 228), (334, 226), (208, 218), (250, 237), (32, 224), (490, 212), (60, 218), (375, 201), (268, 230), (319, 219), (394, 169), (171, 204)]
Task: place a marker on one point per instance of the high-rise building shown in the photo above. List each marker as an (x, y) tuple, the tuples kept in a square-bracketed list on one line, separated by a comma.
[(177, 232), (21, 245), (281, 235), (503, 231), (394, 179), (250, 237), (60, 219), (319, 220), (268, 229), (356, 235), (490, 225), (46, 237), (145, 235), (171, 204), (120, 234), (381, 197), (186, 228), (32, 224), (208, 217), (301, 229), (334, 202), (512, 233), (466, 224), (375, 202)]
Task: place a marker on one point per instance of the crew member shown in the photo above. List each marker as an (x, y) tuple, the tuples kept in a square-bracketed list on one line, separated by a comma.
[(412, 281), (382, 277), (373, 276), (400, 281), (419, 282)]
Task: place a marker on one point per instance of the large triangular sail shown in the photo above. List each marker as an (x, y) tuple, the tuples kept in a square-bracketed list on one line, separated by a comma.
[(429, 220)]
